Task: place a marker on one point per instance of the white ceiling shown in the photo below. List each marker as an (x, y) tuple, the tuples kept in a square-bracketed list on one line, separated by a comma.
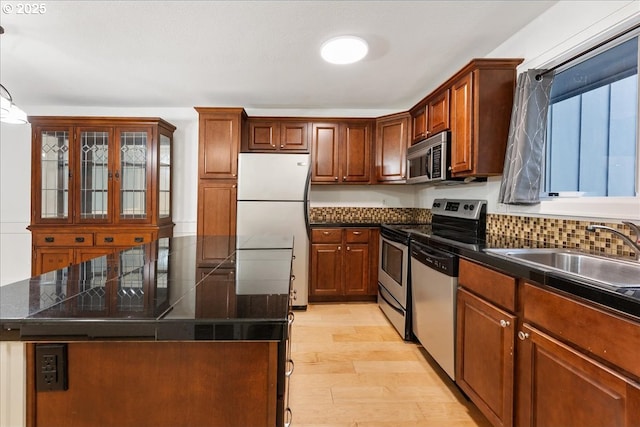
[(255, 54)]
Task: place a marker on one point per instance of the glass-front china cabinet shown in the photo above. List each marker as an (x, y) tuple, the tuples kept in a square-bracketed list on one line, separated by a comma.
[(98, 184)]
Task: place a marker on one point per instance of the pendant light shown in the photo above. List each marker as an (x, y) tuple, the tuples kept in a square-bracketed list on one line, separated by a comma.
[(10, 112)]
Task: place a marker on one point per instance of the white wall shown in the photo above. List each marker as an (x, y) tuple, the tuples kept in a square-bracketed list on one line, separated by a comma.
[(365, 196)]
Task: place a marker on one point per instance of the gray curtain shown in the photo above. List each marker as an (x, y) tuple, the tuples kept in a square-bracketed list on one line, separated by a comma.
[(527, 133)]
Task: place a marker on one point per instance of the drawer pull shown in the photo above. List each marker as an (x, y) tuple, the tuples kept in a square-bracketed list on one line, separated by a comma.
[(357, 233), (79, 239), (138, 239), (504, 323), (49, 239), (108, 239), (523, 335), (326, 233)]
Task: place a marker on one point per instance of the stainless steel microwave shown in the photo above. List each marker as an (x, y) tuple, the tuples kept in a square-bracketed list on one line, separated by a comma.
[(428, 160)]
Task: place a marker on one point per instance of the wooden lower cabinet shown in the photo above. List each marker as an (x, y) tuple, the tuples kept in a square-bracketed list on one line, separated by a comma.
[(531, 356), (560, 386), (485, 341), (485, 346), (343, 264), (138, 384)]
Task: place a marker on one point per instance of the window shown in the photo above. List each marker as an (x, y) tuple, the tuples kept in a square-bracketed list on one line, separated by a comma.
[(592, 132)]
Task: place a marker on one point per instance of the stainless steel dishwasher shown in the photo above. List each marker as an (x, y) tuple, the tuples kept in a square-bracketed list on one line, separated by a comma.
[(434, 286)]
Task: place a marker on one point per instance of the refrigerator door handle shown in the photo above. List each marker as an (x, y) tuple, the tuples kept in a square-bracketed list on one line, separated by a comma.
[(306, 204)]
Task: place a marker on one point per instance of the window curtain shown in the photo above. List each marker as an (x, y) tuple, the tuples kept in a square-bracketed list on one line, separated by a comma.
[(527, 133)]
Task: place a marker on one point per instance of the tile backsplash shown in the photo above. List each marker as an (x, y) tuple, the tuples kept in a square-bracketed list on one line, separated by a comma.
[(538, 231)]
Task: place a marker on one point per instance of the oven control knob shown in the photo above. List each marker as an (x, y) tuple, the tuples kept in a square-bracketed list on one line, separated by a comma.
[(466, 207), (471, 207)]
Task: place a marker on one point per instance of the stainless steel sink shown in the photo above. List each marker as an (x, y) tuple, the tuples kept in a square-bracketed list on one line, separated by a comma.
[(607, 271)]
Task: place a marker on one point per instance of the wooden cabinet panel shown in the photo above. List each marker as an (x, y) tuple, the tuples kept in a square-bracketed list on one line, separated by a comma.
[(123, 239), (50, 259), (485, 356), (438, 113), (355, 153), (391, 148), (294, 136), (356, 269), (277, 135), (219, 142), (493, 286), (326, 268), (326, 235), (341, 151), (559, 386), (324, 146), (263, 135), (85, 254), (585, 326), (461, 124), (418, 123), (217, 202), (357, 235), (212, 379), (62, 239)]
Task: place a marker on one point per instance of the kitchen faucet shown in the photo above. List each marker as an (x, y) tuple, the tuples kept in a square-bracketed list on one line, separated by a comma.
[(635, 245)]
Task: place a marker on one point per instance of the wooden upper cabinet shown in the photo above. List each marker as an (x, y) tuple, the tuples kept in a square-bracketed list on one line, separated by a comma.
[(277, 135), (324, 154), (418, 123), (481, 102), (438, 113), (219, 142), (341, 151), (461, 125), (430, 116), (392, 141)]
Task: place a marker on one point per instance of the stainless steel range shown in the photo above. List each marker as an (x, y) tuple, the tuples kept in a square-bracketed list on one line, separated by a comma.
[(426, 306)]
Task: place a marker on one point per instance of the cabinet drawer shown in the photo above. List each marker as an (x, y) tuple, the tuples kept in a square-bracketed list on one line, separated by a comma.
[(326, 235), (600, 333), (357, 235), (122, 239), (63, 239), (498, 288)]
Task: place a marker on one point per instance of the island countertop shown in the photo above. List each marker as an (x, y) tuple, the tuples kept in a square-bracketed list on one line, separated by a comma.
[(163, 291)]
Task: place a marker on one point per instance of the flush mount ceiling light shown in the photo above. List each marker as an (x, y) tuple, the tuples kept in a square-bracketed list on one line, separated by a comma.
[(344, 50)]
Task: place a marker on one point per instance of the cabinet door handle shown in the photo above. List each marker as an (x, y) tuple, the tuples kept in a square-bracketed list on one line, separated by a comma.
[(281, 145), (117, 174), (326, 233), (344, 178), (49, 239), (138, 239), (348, 248), (504, 323), (79, 239), (339, 248), (108, 239), (335, 178), (523, 335)]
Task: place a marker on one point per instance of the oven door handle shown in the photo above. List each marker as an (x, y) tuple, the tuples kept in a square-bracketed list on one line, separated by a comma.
[(381, 292)]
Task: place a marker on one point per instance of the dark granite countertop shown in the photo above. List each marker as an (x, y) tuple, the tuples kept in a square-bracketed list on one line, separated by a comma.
[(623, 300), (329, 224), (159, 291)]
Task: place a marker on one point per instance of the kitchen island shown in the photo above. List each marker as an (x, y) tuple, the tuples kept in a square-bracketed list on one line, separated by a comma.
[(153, 336)]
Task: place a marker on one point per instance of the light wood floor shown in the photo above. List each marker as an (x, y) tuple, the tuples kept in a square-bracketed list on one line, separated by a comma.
[(352, 369)]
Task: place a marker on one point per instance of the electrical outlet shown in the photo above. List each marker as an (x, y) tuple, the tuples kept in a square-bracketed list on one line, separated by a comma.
[(51, 367)]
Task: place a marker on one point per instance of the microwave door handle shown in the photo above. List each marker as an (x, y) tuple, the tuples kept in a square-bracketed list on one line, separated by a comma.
[(427, 166)]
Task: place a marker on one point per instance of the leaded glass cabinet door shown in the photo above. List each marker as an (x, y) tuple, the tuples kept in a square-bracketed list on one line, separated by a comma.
[(53, 150), (94, 176), (164, 178), (133, 183)]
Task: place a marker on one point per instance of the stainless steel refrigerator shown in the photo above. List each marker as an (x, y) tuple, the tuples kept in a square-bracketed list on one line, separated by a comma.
[(273, 194)]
